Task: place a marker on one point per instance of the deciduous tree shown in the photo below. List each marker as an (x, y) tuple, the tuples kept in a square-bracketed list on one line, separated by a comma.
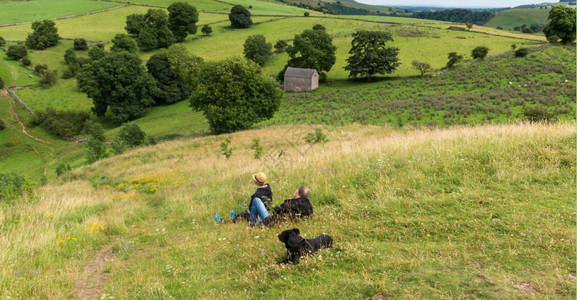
[(257, 49), (480, 52), (118, 82), (206, 29), (172, 86), (312, 49), (561, 24), (122, 42), (186, 63), (454, 59), (45, 35), (370, 54), (421, 66), (182, 18), (17, 52), (239, 17), (234, 94)]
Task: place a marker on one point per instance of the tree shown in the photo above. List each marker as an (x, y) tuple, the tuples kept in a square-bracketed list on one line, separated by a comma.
[(561, 24), (280, 46), (454, 59), (370, 55), (479, 52), (118, 81), (422, 67), (469, 25), (17, 52), (45, 35), (122, 42), (49, 77), (134, 23), (234, 94), (154, 32), (80, 44), (319, 27), (2, 42), (182, 18), (96, 52), (206, 29), (172, 86), (186, 63), (239, 17), (131, 135), (70, 57), (312, 49), (257, 49)]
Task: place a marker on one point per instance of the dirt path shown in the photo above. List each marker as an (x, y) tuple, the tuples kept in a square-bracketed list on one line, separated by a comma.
[(14, 117), (90, 284)]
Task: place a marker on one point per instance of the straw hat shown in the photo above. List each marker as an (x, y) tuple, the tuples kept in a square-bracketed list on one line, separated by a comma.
[(259, 178)]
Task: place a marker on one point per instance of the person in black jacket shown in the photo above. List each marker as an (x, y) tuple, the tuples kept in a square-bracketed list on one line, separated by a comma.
[(297, 207), (260, 203)]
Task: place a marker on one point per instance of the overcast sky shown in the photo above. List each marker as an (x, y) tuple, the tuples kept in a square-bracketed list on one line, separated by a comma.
[(453, 3)]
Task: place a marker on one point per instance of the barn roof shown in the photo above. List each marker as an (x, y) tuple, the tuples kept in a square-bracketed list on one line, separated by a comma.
[(300, 73)]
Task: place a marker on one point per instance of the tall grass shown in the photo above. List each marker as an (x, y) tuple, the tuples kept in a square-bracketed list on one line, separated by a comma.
[(465, 212)]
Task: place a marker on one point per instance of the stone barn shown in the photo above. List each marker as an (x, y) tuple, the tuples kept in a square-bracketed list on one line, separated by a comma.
[(297, 79)]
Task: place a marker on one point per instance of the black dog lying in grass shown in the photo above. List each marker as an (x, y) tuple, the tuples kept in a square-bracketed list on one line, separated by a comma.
[(296, 246)]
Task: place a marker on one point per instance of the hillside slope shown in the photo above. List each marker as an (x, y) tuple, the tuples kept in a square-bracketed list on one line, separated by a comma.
[(465, 212), (511, 18)]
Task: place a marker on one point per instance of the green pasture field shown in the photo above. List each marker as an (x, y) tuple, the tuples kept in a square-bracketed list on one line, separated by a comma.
[(19, 152), (207, 5), (509, 19), (101, 27), (13, 73), (382, 19), (37, 10), (266, 8)]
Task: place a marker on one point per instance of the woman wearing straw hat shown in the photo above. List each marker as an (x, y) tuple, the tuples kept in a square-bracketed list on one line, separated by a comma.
[(259, 206)]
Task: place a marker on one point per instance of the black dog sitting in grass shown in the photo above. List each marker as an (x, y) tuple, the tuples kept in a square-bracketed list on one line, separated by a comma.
[(296, 246)]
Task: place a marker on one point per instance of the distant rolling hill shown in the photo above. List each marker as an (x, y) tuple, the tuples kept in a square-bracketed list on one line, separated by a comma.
[(509, 19)]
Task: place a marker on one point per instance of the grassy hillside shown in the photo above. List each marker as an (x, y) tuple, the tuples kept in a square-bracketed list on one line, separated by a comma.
[(464, 212), (509, 19)]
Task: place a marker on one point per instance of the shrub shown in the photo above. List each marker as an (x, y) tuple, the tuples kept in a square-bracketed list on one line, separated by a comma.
[(64, 124), (2, 125), (1, 83), (13, 185), (538, 113), (225, 148), (17, 52), (26, 61), (316, 137), (131, 135), (62, 168), (280, 45), (49, 77), (96, 150), (480, 52), (206, 29), (257, 148), (80, 44), (2, 42), (521, 52)]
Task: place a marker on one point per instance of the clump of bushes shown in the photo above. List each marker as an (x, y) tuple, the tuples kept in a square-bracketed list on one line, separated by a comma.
[(316, 137), (13, 185), (64, 124)]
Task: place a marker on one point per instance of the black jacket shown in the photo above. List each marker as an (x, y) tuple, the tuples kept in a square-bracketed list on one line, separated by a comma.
[(300, 207), (264, 193)]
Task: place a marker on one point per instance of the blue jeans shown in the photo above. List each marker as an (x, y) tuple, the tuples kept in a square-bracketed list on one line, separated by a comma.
[(258, 208)]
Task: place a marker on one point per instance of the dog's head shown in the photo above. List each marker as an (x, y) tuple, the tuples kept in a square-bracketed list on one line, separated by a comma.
[(292, 240)]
